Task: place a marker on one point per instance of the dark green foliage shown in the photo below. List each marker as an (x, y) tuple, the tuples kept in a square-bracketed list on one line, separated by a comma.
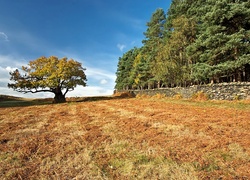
[(223, 42), (124, 76), (198, 42)]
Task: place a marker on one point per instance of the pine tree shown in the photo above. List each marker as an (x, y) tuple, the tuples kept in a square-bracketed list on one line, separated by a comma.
[(223, 43), (154, 40), (143, 77), (125, 79), (181, 27), (199, 42)]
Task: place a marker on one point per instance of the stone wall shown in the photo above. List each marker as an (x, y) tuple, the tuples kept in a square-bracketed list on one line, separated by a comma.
[(222, 91)]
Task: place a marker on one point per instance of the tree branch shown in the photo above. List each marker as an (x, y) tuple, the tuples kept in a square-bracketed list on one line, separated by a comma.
[(33, 91), (67, 90)]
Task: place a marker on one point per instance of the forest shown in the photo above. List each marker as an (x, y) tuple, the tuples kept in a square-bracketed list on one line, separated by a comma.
[(194, 42)]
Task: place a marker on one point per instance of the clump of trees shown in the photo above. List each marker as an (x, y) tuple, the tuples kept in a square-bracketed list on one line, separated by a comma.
[(58, 76), (195, 42)]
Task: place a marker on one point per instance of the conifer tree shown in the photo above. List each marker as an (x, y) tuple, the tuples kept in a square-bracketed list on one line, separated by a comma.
[(198, 42), (124, 80), (154, 40), (223, 44)]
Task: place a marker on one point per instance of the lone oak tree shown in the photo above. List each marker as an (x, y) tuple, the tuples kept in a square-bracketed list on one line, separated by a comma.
[(51, 74)]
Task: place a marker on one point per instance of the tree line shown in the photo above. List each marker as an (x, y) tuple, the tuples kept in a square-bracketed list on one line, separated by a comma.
[(195, 42)]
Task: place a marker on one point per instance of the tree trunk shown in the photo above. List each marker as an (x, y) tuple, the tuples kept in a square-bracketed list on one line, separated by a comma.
[(59, 97), (159, 84)]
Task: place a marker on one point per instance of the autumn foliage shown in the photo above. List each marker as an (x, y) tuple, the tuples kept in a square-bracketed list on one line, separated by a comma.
[(51, 74)]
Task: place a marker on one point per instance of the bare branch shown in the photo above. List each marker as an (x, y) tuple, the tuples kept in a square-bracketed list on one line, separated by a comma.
[(33, 91)]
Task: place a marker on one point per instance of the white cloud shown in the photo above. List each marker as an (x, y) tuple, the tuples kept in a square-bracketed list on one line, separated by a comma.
[(95, 70), (121, 47), (103, 81), (7, 64), (10, 69), (4, 36), (4, 75), (99, 74), (100, 82), (11, 92), (12, 61), (5, 79), (90, 91)]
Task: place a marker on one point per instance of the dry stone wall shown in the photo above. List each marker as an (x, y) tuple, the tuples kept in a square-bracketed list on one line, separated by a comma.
[(222, 91)]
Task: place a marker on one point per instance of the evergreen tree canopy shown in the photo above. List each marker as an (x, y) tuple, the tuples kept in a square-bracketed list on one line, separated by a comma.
[(197, 42), (223, 42)]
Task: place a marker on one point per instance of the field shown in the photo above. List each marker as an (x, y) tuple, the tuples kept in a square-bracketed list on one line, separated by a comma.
[(128, 138)]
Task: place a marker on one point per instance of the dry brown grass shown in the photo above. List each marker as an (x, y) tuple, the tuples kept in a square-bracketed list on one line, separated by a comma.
[(124, 94), (200, 96), (134, 138), (143, 96), (159, 96), (177, 96)]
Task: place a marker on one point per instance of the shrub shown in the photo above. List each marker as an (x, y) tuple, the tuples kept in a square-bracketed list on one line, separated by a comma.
[(177, 96), (236, 97), (142, 96), (159, 96), (126, 94), (200, 96)]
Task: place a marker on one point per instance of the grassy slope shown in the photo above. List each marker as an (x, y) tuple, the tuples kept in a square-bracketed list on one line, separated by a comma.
[(109, 138), (10, 101)]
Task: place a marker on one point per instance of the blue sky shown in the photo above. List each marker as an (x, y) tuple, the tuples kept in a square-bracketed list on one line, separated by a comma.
[(93, 32)]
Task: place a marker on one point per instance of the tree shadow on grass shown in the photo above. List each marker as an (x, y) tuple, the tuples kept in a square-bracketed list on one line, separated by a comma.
[(98, 98), (10, 101), (122, 95)]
